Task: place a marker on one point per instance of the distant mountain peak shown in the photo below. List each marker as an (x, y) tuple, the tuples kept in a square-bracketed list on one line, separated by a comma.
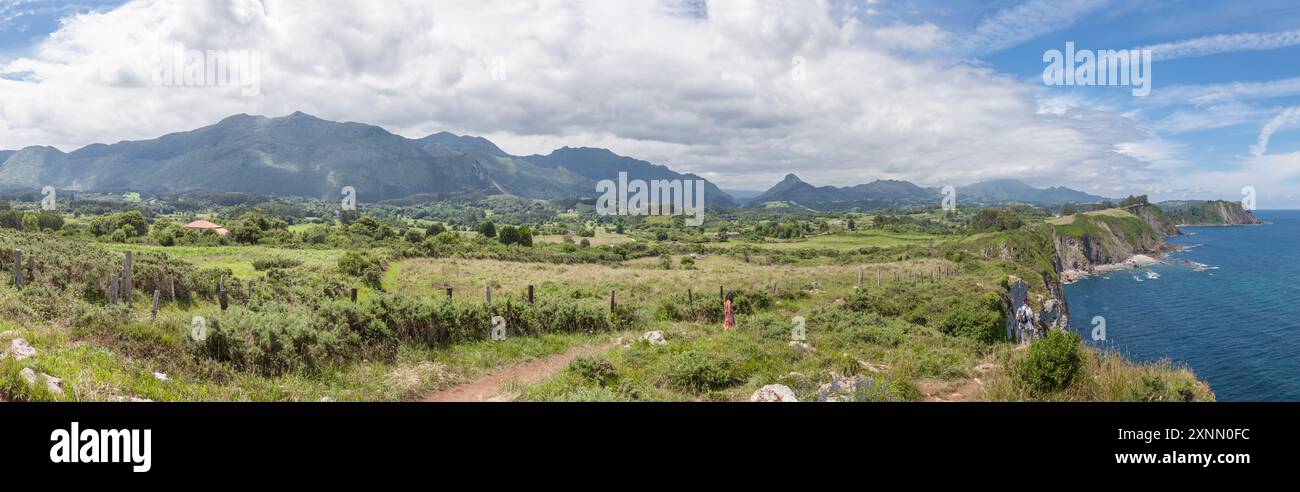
[(791, 178)]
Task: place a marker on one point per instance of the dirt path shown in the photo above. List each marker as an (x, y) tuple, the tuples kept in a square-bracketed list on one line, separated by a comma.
[(950, 391), (489, 388)]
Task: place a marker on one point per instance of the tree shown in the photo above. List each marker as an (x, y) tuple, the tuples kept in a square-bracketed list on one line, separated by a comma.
[(31, 223), (1069, 209), (852, 225), (996, 219), (508, 235), (487, 229), (414, 235), (1133, 200), (435, 229), (618, 228)]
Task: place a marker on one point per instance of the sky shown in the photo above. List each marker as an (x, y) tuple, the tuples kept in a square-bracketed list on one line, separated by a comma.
[(741, 92)]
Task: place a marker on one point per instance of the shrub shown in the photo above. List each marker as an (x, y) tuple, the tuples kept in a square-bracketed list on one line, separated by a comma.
[(971, 320), (595, 369), (699, 372), (1050, 364), (280, 262)]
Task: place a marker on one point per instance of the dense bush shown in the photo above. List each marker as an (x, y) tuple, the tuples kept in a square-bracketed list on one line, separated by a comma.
[(337, 331), (595, 369), (282, 262), (1050, 364), (699, 372), (973, 319)]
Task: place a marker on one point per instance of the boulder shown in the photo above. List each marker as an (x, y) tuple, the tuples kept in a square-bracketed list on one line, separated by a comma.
[(1053, 316), (655, 337), (774, 393), (19, 349), (801, 348), (52, 383)]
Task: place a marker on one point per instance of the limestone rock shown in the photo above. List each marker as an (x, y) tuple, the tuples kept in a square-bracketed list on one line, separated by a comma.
[(774, 393), (53, 384), (19, 349), (801, 348), (655, 337)]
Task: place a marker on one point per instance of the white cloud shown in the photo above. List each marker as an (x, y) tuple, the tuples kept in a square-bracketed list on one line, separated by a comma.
[(702, 93), (1286, 117), (1224, 43), (1026, 21)]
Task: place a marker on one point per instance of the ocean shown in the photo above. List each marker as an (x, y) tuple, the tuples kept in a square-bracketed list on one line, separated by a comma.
[(1227, 306)]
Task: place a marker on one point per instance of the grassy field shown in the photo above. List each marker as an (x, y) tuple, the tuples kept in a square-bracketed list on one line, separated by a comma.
[(844, 241), (600, 239), (239, 259)]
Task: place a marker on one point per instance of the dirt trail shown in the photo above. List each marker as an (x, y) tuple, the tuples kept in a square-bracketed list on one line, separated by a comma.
[(489, 387)]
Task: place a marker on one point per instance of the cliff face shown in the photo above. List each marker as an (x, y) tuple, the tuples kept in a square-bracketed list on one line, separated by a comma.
[(1159, 221), (1213, 213), (1108, 237)]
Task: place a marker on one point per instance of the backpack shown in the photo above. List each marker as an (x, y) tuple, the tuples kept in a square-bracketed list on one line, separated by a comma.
[(1022, 315)]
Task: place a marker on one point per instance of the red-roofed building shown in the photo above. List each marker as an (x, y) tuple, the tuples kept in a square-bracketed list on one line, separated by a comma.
[(202, 225)]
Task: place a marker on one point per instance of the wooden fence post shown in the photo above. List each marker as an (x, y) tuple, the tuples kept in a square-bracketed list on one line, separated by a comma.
[(859, 276), (112, 290), (153, 311), (221, 292), (127, 279), (448, 292), (487, 291), (530, 294), (611, 301), (18, 268), (721, 296), (354, 294), (172, 279), (690, 298)]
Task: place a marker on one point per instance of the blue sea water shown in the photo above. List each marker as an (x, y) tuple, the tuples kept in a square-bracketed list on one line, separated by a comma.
[(1227, 306)]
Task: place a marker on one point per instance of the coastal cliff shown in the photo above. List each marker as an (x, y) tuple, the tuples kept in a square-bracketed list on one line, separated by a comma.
[(1209, 213), (1085, 242)]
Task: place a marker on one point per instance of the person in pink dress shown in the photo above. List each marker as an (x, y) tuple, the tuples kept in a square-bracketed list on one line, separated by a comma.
[(728, 315)]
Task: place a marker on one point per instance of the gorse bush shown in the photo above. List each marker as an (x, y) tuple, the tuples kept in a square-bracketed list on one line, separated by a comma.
[(699, 372), (271, 338), (1050, 364), (979, 319), (595, 369), (282, 262)]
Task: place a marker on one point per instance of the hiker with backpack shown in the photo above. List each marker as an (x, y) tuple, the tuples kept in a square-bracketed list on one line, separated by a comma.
[(1025, 322)]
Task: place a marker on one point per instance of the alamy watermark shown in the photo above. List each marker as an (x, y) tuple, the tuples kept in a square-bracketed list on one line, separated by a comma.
[(180, 67), (658, 197), (1102, 67)]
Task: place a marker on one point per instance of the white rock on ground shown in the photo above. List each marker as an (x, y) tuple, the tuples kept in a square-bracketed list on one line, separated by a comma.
[(19, 349), (655, 337), (801, 348), (51, 383), (774, 393), (160, 376)]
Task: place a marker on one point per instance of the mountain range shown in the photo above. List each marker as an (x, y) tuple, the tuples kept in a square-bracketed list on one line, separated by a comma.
[(892, 193), (302, 155)]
